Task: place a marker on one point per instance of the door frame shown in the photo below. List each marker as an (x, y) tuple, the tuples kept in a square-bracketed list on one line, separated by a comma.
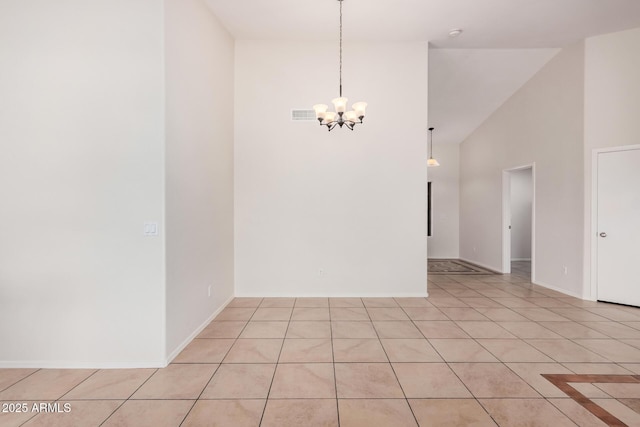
[(506, 218), (594, 211)]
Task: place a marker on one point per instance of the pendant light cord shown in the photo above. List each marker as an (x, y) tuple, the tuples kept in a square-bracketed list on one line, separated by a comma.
[(340, 48), (431, 143)]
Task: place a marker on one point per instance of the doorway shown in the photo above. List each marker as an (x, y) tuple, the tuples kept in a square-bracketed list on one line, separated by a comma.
[(518, 248), (616, 240)]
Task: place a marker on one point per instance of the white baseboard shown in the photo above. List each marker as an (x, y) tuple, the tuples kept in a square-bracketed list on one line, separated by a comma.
[(345, 295), (555, 288), (520, 259), (195, 333), (479, 264), (66, 364)]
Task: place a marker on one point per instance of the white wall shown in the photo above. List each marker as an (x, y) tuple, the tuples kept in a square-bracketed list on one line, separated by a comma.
[(81, 169), (541, 123), (350, 203), (521, 186), (445, 201), (612, 107), (199, 168)]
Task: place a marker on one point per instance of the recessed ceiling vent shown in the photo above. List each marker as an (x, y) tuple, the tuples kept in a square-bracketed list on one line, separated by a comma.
[(303, 115)]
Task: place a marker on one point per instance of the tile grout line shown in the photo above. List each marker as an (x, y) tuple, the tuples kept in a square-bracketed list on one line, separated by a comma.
[(391, 365), (275, 371), (34, 415), (448, 364), (504, 364), (219, 364), (333, 358), (127, 399), (394, 370), (77, 385), (67, 392), (20, 380)]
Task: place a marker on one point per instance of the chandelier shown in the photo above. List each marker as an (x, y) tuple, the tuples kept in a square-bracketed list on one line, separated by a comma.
[(340, 117), (431, 162)]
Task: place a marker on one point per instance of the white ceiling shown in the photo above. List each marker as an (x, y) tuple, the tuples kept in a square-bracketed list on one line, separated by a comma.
[(467, 85), (504, 43), (487, 23)]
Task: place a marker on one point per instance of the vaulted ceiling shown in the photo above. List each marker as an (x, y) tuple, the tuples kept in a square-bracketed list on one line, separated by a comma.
[(504, 43)]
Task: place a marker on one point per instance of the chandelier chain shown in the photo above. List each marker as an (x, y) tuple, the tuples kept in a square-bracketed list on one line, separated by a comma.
[(340, 47)]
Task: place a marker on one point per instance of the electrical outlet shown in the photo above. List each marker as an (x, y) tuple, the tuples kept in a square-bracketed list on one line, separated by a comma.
[(321, 272), (209, 291), (474, 250), (565, 270)]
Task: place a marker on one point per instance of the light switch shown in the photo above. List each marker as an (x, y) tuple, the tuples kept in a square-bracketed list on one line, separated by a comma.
[(151, 228)]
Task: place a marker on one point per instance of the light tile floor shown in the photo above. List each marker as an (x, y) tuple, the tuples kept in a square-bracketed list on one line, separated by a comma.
[(470, 354)]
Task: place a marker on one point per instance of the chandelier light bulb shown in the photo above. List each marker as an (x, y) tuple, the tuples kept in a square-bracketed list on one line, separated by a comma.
[(329, 117), (340, 104), (359, 108), (320, 110)]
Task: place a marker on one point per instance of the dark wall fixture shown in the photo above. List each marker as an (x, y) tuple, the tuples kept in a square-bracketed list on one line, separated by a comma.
[(429, 209)]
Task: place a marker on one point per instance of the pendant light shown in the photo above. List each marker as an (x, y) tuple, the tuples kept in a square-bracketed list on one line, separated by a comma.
[(431, 162), (340, 117)]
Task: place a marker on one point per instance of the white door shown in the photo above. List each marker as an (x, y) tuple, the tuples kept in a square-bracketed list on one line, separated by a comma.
[(618, 240)]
